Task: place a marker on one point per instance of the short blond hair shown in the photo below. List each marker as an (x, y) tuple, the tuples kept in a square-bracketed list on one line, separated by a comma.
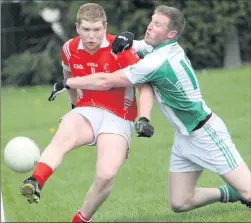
[(91, 12), (177, 18)]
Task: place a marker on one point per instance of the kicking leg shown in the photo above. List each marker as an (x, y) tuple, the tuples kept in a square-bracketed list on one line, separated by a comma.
[(74, 131)]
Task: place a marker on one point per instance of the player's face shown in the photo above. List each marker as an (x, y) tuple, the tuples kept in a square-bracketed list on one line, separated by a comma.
[(91, 34), (157, 31)]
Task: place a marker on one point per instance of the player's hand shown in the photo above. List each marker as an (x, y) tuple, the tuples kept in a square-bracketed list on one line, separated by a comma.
[(122, 42), (58, 88), (144, 128)]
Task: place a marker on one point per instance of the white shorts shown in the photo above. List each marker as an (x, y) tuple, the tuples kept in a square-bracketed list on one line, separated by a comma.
[(209, 147), (103, 121)]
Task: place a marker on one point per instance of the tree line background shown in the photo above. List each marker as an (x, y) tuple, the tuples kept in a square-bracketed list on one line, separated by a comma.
[(217, 33)]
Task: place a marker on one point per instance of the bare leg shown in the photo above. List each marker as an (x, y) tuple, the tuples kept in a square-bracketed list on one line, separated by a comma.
[(240, 179), (74, 131), (184, 195)]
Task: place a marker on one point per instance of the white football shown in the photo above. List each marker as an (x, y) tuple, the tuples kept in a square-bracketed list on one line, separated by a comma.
[(21, 154)]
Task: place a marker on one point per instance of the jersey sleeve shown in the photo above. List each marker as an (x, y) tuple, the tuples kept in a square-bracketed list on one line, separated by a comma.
[(66, 54), (142, 48), (144, 70), (128, 57)]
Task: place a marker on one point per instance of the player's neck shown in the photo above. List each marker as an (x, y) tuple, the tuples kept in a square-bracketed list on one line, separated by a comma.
[(92, 52)]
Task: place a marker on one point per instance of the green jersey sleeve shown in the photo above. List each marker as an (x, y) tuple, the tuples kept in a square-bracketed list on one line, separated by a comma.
[(142, 48), (145, 70)]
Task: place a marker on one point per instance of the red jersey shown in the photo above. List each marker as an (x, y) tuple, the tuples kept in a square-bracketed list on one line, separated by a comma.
[(120, 101)]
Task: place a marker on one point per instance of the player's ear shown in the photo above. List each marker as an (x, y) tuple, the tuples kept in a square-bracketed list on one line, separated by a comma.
[(105, 26), (77, 27), (172, 34)]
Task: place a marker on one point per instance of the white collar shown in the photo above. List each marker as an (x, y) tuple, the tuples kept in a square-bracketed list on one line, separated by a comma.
[(104, 43)]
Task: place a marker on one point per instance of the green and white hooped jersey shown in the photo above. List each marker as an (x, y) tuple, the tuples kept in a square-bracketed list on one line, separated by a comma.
[(175, 85)]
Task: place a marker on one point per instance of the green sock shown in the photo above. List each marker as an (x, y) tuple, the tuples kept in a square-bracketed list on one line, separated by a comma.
[(228, 194)]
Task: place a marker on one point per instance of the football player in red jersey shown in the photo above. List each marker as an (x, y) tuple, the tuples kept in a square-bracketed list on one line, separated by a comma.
[(102, 118)]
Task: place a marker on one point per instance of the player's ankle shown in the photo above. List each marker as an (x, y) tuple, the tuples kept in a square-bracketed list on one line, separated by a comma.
[(79, 217), (42, 172), (228, 194)]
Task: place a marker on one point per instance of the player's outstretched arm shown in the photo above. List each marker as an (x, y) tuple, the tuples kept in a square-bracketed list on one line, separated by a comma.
[(100, 81)]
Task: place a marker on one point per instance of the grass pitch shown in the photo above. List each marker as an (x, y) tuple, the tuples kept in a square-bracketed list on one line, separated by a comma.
[(140, 190)]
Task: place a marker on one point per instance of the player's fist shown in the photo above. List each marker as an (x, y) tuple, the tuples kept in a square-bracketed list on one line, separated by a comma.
[(58, 88), (144, 128), (122, 42)]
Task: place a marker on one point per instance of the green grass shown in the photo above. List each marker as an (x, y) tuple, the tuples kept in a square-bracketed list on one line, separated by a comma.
[(140, 191)]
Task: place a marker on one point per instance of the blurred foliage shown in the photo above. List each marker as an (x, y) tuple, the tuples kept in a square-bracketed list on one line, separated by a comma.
[(38, 68), (203, 39), (208, 23)]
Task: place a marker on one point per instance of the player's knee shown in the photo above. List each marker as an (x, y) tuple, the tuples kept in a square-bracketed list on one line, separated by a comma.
[(105, 178), (181, 205), (177, 206)]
